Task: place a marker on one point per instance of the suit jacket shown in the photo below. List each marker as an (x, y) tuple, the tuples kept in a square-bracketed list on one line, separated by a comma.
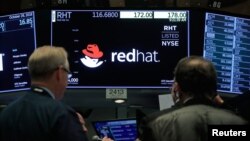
[(188, 122), (38, 117)]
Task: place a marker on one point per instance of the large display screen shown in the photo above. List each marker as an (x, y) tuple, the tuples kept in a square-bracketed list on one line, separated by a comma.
[(227, 45), (118, 130), (17, 42), (121, 48)]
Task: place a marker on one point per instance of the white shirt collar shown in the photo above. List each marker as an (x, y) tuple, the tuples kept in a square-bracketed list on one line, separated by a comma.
[(48, 91)]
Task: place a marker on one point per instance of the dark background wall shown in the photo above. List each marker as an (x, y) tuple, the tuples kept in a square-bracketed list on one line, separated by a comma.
[(235, 6), (92, 102)]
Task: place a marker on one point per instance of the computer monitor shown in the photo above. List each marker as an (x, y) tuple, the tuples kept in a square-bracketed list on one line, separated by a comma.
[(227, 45), (121, 48), (17, 42), (118, 130)]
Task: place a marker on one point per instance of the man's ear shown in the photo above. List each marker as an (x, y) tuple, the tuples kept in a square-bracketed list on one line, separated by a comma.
[(178, 90), (58, 74), (177, 87)]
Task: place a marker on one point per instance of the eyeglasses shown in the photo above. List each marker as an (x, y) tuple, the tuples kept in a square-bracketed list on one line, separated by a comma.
[(66, 70)]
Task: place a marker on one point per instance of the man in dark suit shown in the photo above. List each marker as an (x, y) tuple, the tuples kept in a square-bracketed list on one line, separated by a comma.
[(194, 89), (39, 115)]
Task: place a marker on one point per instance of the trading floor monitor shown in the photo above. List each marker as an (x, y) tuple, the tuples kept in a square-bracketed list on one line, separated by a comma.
[(17, 42), (121, 48), (227, 45)]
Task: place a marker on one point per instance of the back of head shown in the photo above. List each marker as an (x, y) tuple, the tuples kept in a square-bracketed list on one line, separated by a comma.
[(44, 60), (196, 77)]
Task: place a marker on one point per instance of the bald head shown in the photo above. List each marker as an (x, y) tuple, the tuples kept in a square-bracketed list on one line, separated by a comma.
[(196, 76)]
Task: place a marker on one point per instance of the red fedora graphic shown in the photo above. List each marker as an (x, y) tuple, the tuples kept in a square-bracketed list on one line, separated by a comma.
[(92, 51)]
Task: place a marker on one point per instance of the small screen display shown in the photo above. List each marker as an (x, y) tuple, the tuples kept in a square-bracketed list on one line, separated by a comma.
[(17, 42), (118, 130)]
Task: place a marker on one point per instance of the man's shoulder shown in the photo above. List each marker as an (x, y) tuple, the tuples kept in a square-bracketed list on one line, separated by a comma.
[(201, 109), (202, 113), (155, 115), (35, 101)]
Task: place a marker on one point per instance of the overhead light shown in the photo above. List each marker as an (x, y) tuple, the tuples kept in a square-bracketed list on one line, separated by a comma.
[(118, 95), (119, 101)]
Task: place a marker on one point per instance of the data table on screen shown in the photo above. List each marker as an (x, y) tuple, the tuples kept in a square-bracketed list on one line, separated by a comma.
[(227, 45), (17, 42)]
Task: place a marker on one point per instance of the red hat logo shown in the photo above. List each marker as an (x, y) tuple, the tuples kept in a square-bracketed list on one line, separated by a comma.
[(92, 51), (92, 55)]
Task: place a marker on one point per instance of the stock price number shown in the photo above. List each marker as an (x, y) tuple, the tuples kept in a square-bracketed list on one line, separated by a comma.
[(143, 14), (72, 80), (2, 26), (106, 14), (177, 15), (27, 21)]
